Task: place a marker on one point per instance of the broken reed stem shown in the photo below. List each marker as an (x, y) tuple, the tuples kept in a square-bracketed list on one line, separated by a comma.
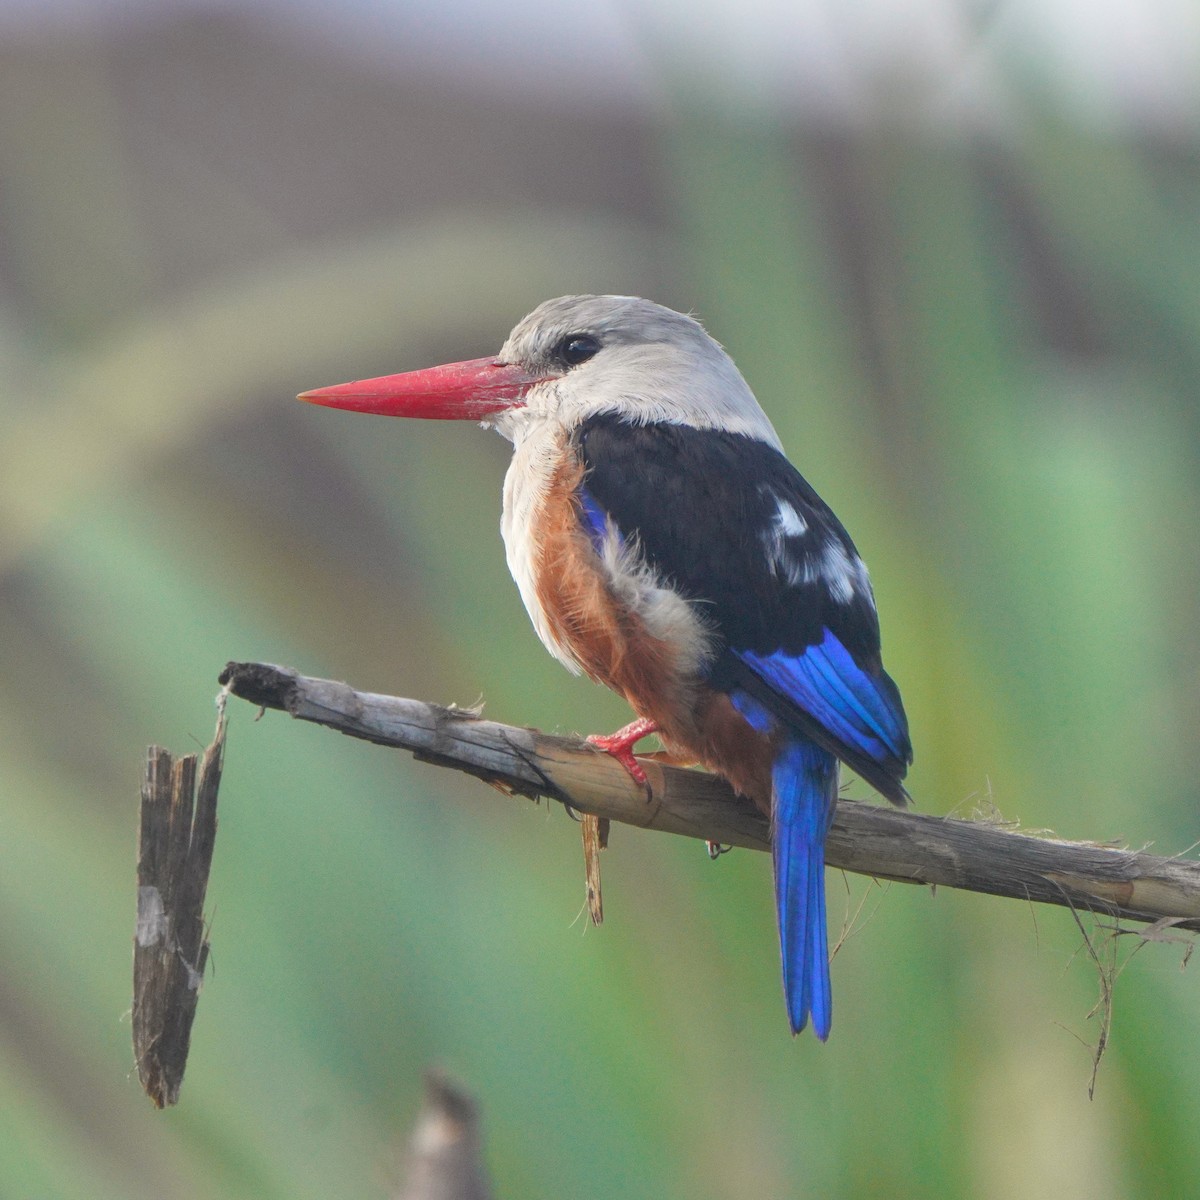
[(170, 951)]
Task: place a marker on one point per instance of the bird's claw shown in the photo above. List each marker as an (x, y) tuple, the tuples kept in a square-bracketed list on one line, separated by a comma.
[(620, 746), (623, 754)]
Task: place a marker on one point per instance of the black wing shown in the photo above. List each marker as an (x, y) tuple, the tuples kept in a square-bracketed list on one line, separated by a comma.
[(731, 524)]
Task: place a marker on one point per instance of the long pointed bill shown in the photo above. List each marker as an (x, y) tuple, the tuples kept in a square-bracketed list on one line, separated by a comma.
[(465, 391)]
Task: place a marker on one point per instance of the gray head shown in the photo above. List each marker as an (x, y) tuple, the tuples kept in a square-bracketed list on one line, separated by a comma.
[(625, 355)]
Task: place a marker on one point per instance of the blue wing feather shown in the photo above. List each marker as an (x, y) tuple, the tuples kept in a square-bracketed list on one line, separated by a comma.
[(859, 707), (595, 519)]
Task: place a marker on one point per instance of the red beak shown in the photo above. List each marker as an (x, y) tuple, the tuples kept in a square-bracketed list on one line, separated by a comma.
[(465, 391)]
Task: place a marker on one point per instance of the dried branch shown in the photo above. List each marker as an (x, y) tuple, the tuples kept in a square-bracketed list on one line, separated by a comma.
[(865, 838)]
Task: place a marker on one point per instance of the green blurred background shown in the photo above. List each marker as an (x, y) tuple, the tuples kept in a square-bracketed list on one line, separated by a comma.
[(955, 249)]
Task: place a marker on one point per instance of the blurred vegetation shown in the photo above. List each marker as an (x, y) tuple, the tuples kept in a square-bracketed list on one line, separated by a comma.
[(980, 348)]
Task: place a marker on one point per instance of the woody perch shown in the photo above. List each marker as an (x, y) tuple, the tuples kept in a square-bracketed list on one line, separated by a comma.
[(665, 547)]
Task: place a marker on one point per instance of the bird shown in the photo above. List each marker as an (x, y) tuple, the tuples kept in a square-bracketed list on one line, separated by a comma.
[(665, 546)]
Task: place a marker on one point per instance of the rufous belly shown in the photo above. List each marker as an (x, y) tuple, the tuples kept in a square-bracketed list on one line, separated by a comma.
[(613, 645)]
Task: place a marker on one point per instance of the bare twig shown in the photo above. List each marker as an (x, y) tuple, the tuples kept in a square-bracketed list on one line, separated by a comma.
[(865, 838)]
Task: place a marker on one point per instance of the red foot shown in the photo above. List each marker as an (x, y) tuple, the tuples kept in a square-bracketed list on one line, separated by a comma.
[(620, 746)]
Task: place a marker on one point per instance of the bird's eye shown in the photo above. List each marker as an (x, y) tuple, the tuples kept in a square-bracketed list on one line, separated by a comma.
[(577, 348)]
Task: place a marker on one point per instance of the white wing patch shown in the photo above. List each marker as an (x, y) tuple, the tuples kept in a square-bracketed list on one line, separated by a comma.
[(788, 521), (798, 563), (784, 560), (838, 572)]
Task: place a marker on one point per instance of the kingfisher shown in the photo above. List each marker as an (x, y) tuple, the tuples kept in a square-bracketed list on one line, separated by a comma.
[(665, 547)]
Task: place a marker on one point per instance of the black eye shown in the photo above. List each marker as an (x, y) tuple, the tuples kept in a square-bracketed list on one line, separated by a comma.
[(576, 348)]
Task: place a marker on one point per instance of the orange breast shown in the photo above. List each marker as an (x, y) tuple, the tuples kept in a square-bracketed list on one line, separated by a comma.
[(609, 641), (614, 646)]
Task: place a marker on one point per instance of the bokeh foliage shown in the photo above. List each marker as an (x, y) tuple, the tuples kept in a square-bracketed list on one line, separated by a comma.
[(982, 349)]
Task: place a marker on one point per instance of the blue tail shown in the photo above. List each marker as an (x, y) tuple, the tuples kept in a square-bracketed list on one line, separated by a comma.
[(805, 781)]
